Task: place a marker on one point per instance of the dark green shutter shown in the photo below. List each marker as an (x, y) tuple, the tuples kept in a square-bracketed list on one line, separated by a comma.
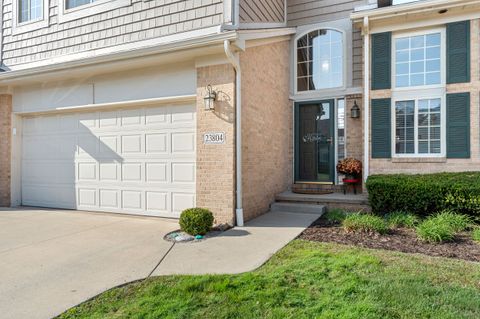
[(458, 52), (382, 61), (381, 128), (458, 125)]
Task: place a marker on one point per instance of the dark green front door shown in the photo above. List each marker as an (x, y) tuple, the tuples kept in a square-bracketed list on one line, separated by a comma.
[(314, 142)]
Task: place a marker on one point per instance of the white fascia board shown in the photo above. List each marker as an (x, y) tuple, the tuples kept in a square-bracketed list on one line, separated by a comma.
[(110, 105), (256, 34), (408, 8), (177, 42)]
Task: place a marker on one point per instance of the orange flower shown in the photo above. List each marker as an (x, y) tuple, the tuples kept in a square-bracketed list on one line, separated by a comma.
[(350, 166)]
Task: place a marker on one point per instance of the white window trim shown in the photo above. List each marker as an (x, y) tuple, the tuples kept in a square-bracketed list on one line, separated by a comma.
[(416, 96), (65, 15), (31, 25), (437, 91), (443, 72)]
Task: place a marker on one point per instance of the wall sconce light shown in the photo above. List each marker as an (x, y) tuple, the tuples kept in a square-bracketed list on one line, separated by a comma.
[(355, 111), (210, 98)]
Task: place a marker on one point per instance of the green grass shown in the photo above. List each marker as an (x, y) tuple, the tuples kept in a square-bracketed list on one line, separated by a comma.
[(443, 227), (401, 219), (306, 280), (365, 223)]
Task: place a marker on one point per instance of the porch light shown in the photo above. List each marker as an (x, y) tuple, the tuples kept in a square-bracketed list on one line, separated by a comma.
[(210, 98), (355, 111)]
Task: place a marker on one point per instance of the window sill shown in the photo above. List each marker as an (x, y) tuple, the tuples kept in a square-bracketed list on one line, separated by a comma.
[(419, 160)]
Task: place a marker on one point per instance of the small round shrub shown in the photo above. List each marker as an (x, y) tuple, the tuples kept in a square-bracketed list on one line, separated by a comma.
[(364, 223), (196, 221), (401, 219), (476, 234)]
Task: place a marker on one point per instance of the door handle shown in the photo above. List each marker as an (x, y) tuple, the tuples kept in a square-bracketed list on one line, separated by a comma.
[(330, 140)]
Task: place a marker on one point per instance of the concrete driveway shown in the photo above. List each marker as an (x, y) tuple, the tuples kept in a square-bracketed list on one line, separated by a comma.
[(51, 260)]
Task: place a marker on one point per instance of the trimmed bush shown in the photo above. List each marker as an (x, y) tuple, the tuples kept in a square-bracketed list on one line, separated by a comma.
[(443, 227), (364, 223), (476, 234), (335, 215), (425, 194), (401, 219), (196, 221)]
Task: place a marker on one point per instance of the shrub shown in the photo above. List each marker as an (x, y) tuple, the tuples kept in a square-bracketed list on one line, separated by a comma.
[(196, 221), (476, 234), (335, 215), (401, 219), (424, 194), (365, 223), (443, 226)]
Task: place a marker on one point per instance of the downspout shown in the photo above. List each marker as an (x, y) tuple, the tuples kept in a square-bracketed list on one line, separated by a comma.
[(366, 96), (235, 61)]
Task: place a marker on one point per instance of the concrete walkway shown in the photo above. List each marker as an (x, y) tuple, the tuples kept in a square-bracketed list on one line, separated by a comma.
[(52, 260), (237, 250)]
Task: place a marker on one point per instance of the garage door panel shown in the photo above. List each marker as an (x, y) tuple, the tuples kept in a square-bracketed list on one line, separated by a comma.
[(87, 197), (138, 161), (109, 172), (183, 142)]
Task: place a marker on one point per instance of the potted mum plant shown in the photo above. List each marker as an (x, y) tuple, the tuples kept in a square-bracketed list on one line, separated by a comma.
[(350, 167)]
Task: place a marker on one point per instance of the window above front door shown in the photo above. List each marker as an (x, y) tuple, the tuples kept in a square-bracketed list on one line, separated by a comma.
[(320, 60)]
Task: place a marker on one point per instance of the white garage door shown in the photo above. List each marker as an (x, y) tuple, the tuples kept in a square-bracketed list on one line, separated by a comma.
[(136, 161)]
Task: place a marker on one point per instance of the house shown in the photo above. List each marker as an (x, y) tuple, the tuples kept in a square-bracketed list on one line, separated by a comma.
[(152, 106)]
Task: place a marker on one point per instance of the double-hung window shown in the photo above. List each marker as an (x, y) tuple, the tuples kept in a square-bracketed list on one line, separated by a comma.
[(29, 10), (419, 94)]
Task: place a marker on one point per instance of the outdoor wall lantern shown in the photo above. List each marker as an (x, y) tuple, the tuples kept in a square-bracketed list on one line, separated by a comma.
[(355, 111), (210, 98)]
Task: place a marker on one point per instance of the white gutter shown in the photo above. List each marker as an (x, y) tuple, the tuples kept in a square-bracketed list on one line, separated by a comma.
[(409, 8), (235, 61), (132, 50), (366, 96)]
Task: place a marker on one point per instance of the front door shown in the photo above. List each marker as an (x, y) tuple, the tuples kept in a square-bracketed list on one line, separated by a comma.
[(314, 144)]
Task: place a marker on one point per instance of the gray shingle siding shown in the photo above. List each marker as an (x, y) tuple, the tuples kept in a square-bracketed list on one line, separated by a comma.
[(262, 11), (300, 12), (141, 20)]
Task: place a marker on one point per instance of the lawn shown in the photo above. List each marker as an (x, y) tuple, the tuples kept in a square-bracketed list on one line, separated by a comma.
[(306, 280)]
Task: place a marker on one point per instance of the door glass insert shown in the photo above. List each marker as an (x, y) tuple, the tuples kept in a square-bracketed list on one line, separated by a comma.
[(314, 142)]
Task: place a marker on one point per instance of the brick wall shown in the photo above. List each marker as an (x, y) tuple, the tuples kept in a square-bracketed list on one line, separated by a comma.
[(433, 165), (266, 126), (216, 163), (5, 148)]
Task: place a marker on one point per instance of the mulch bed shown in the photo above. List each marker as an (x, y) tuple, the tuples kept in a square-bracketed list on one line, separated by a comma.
[(403, 240)]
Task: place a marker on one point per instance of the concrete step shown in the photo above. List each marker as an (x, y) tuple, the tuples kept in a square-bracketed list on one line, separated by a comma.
[(298, 208)]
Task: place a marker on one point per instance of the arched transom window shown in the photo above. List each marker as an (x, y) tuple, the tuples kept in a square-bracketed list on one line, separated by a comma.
[(320, 60)]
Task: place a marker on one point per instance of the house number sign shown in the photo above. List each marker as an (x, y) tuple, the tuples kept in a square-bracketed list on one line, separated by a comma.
[(214, 138)]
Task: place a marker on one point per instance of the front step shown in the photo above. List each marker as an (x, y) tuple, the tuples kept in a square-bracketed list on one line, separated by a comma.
[(347, 202), (298, 208)]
